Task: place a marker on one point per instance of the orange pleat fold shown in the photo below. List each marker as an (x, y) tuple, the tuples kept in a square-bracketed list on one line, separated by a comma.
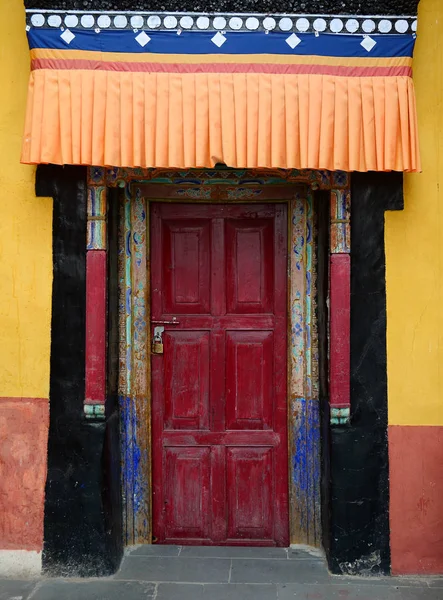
[(185, 120)]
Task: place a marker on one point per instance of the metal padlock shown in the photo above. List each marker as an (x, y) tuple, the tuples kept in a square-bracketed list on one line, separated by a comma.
[(157, 341)]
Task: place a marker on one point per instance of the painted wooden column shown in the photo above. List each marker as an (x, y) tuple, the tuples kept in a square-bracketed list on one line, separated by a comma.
[(304, 417), (96, 285), (340, 308), (134, 357)]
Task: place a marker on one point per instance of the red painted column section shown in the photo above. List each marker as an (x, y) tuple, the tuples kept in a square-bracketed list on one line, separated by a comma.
[(340, 329), (95, 392)]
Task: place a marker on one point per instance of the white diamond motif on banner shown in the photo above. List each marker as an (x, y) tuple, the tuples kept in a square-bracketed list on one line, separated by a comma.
[(143, 39), (219, 39), (293, 41), (67, 36), (368, 43)]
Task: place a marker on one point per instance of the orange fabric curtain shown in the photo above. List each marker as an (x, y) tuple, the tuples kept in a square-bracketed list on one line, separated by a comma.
[(161, 119)]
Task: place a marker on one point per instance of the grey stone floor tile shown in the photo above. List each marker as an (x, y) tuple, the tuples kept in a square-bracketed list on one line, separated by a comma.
[(240, 591), (297, 554), (153, 550), (423, 593), (180, 591), (379, 581), (53, 589), (223, 591), (303, 591), (10, 589), (234, 552), (278, 571), (417, 593), (190, 570)]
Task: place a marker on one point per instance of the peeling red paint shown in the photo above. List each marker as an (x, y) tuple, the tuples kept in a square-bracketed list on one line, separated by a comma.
[(24, 426), (423, 504)]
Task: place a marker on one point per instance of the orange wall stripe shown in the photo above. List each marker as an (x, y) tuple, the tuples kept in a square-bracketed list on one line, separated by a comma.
[(41, 53)]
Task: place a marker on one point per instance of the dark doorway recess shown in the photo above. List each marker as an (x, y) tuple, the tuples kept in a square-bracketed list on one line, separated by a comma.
[(82, 530), (322, 210), (359, 527)]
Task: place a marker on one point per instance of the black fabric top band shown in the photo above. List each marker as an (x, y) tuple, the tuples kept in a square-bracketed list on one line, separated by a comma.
[(343, 7)]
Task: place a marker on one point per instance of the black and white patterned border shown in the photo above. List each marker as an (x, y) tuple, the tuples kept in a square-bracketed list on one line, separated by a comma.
[(170, 21)]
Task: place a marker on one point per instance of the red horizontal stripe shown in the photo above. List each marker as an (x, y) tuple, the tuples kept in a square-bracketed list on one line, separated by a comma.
[(288, 69)]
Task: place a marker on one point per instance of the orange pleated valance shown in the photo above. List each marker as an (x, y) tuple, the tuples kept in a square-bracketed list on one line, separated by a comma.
[(90, 105)]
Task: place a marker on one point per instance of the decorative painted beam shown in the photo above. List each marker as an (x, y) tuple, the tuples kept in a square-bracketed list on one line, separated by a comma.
[(120, 177), (96, 298), (340, 308)]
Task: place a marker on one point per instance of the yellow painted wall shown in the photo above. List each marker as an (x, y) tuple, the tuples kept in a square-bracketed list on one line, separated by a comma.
[(414, 249), (25, 231)]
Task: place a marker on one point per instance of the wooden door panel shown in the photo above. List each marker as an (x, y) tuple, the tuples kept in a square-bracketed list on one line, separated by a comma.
[(249, 377), (219, 389), (187, 499), (250, 265), (249, 484), (247, 437), (186, 266), (186, 379)]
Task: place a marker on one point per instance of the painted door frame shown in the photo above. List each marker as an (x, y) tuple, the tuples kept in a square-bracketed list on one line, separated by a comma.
[(304, 469)]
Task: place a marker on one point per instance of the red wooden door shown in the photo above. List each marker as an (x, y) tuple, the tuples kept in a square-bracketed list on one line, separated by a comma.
[(220, 470)]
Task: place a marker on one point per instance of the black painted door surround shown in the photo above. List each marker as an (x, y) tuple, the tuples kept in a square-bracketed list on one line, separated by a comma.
[(82, 531)]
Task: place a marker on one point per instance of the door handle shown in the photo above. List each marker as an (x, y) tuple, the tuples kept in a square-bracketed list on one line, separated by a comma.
[(173, 322)]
